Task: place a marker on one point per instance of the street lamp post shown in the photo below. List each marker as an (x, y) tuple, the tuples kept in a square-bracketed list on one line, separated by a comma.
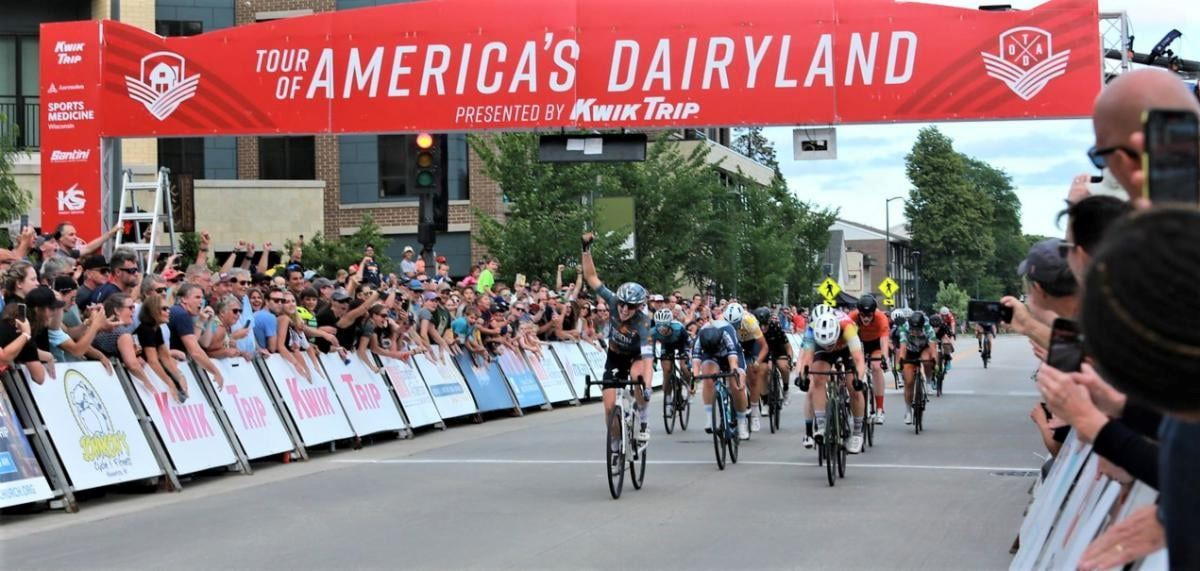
[(887, 230)]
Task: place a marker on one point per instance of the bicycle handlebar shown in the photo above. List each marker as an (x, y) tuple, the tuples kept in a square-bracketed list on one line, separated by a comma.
[(714, 376)]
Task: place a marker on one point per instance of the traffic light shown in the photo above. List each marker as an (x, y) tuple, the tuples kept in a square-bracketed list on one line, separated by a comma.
[(425, 169)]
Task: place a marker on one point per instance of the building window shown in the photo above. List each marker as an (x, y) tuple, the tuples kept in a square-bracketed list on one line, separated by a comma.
[(169, 28), (19, 101), (182, 156), (286, 158)]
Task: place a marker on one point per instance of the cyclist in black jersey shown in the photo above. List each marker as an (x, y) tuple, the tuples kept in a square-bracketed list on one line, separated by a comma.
[(779, 350)]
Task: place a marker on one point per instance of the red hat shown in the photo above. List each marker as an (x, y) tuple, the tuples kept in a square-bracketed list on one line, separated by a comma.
[(170, 274), (441, 259)]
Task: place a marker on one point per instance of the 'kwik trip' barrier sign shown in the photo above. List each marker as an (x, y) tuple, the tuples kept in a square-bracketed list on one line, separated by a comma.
[(461, 65)]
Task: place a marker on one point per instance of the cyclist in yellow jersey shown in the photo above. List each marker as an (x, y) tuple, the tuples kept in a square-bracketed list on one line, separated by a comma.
[(754, 347)]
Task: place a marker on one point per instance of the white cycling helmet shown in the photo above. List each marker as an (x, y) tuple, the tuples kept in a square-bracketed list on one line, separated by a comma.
[(819, 310), (734, 313), (663, 317), (944, 310), (907, 312), (897, 314), (826, 329)]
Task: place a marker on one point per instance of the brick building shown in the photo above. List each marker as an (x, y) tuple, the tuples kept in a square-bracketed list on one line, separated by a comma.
[(856, 258)]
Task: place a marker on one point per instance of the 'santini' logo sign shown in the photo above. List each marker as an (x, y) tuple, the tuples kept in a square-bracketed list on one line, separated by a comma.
[(1027, 61), (163, 84)]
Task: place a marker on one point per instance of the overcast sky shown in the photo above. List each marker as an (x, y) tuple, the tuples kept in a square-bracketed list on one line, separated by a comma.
[(1041, 156)]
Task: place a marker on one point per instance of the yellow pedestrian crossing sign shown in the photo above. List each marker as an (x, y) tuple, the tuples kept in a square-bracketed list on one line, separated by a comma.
[(829, 290), (889, 287)]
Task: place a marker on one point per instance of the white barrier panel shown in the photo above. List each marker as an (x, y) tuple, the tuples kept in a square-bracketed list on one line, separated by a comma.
[(190, 432), (1047, 502), (574, 364), (93, 426), (252, 413), (313, 405), (364, 395), (414, 395), (21, 478), (549, 375), (595, 358), (446, 385)]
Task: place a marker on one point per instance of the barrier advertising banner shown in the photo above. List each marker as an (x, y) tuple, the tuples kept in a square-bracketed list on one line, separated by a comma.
[(521, 379), (365, 395), (313, 404), (548, 374), (595, 358), (93, 426), (486, 382), (254, 418), (21, 478), (462, 65), (447, 386), (410, 388), (574, 365), (190, 432)]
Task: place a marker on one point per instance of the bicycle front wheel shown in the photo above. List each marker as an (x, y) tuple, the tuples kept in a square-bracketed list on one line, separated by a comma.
[(776, 397), (614, 452), (732, 437), (637, 463), (869, 421), (669, 408), (683, 407), (718, 431)]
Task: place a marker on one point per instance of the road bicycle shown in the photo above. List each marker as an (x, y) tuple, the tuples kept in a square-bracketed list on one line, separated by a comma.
[(939, 369), (831, 450), (724, 420), (620, 438), (920, 393), (676, 405), (986, 353), (774, 397)]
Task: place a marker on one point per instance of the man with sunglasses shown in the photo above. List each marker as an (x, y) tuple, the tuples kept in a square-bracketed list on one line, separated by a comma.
[(630, 347), (123, 278), (95, 274)]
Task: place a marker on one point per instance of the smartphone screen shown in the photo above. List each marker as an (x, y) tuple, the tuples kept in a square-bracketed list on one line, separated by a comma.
[(1172, 157), (979, 311), (24, 222), (22, 312), (1066, 349)]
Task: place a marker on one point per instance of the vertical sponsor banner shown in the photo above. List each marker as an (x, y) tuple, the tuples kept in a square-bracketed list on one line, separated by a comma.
[(364, 395), (93, 426), (312, 403), (21, 478), (71, 124), (595, 358), (447, 386), (547, 372), (574, 364), (521, 379), (190, 432), (486, 381), (410, 388), (254, 418)]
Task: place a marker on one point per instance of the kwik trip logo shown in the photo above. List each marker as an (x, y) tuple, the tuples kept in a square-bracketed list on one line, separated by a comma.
[(163, 84), (1026, 62), (68, 53), (71, 199)]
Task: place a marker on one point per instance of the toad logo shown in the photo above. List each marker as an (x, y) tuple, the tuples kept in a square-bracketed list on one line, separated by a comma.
[(71, 199), (163, 84), (1026, 62)]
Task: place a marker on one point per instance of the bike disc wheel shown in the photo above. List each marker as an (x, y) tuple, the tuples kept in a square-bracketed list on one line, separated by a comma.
[(683, 408), (637, 466), (830, 456), (718, 433), (869, 421), (776, 400), (615, 458), (668, 411)]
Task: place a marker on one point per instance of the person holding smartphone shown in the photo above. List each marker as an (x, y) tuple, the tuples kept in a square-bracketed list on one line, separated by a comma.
[(22, 340)]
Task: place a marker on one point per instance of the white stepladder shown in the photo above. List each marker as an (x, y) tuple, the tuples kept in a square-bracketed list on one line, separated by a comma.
[(160, 215)]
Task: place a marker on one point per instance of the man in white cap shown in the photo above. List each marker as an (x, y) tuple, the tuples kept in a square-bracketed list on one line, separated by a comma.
[(408, 266)]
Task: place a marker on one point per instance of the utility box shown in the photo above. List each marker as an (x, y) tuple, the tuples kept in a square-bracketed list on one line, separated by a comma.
[(814, 143)]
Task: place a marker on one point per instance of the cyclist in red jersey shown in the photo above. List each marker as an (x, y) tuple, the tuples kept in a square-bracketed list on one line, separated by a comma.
[(874, 330)]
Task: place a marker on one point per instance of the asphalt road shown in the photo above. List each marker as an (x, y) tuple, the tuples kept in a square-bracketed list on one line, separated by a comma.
[(531, 493)]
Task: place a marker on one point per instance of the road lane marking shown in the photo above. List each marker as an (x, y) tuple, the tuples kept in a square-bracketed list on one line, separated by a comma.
[(516, 461)]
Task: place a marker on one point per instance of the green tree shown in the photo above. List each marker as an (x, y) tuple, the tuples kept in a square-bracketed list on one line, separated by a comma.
[(14, 200), (751, 142), (1000, 276), (327, 256), (950, 295), (950, 217)]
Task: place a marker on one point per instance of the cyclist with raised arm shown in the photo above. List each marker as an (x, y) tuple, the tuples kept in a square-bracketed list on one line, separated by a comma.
[(875, 333), (779, 350), (828, 341), (754, 349), (716, 350), (630, 348), (916, 337), (673, 341)]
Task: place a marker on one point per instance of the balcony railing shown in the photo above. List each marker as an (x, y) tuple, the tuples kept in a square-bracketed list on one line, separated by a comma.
[(23, 112)]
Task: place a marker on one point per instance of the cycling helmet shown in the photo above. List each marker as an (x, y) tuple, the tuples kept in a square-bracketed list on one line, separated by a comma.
[(935, 321), (917, 320), (897, 314), (663, 317), (819, 310), (867, 304), (763, 314), (826, 329), (734, 313), (712, 340), (631, 293), (944, 310), (907, 312)]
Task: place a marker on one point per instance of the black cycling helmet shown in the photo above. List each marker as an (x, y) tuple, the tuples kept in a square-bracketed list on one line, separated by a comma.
[(867, 304), (935, 321), (763, 315), (917, 320), (712, 340)]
